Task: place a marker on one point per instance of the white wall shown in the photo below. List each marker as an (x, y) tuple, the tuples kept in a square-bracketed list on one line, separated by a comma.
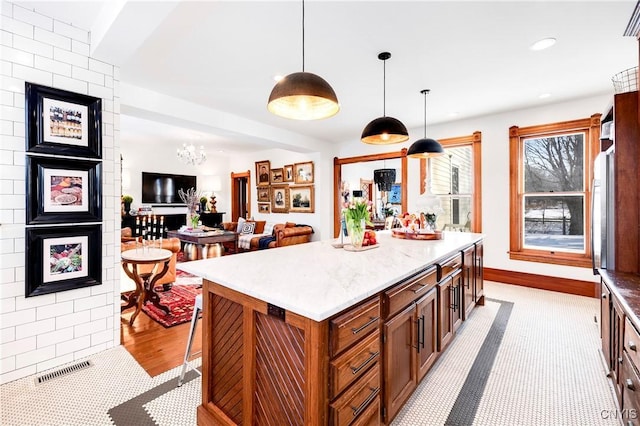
[(43, 332), (138, 157), (495, 173)]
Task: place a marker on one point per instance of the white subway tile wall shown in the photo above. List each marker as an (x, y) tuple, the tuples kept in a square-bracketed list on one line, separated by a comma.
[(46, 331)]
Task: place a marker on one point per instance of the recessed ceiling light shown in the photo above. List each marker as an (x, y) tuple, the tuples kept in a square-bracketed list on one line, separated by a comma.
[(453, 114), (544, 95), (543, 44)]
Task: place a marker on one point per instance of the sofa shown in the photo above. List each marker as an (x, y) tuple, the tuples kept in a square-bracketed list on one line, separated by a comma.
[(265, 235), (128, 241)]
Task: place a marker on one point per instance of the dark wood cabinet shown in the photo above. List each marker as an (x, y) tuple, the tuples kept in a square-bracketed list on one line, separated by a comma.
[(445, 326), (617, 333), (478, 289), (605, 325), (400, 367), (469, 278), (456, 297), (427, 317)]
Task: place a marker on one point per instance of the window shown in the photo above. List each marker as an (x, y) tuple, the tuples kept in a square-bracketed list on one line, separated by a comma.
[(551, 169), (455, 180)]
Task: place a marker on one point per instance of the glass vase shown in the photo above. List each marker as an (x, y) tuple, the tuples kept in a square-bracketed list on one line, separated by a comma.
[(355, 229), (194, 219)]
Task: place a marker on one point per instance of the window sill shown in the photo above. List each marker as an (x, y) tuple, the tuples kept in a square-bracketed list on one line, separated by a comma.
[(566, 259)]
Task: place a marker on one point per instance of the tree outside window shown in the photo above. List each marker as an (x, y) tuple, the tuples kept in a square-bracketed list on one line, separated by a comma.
[(551, 169)]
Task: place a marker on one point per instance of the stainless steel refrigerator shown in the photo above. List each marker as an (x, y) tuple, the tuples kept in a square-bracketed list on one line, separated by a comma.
[(602, 212)]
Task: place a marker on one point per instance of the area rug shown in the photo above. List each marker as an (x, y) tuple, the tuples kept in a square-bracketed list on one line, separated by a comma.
[(179, 299)]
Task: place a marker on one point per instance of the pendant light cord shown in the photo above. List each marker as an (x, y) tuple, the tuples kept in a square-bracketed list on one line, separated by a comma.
[(302, 35), (384, 87), (425, 114)]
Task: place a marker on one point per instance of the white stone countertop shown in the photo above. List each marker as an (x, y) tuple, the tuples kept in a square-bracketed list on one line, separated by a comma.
[(316, 280)]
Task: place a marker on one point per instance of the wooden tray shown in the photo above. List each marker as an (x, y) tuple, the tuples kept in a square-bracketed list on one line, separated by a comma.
[(349, 247), (397, 233)]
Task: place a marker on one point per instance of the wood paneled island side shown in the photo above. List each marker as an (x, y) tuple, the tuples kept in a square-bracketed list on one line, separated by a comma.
[(308, 334)]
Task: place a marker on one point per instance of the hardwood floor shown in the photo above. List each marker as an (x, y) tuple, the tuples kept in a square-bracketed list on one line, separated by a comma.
[(157, 349)]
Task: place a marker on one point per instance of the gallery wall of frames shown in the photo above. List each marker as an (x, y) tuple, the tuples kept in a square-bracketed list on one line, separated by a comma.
[(63, 231), (285, 189)]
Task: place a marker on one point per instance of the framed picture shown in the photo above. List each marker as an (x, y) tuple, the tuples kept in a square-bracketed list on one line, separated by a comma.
[(301, 200), (263, 194), (263, 173), (303, 172), (277, 176), (62, 122), (395, 195), (264, 208), (63, 190), (62, 258), (280, 198), (287, 171)]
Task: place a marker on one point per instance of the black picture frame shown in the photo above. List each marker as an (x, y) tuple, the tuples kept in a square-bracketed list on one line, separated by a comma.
[(77, 119), (81, 244), (43, 207)]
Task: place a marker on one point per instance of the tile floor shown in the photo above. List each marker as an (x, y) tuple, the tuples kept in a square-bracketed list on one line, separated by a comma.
[(528, 357)]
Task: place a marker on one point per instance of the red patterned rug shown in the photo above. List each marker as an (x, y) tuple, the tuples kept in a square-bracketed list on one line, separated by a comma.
[(179, 300)]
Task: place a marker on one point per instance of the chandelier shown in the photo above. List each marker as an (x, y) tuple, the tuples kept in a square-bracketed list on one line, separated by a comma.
[(188, 154)]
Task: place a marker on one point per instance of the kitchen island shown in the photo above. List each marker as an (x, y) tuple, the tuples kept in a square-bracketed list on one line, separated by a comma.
[(311, 334)]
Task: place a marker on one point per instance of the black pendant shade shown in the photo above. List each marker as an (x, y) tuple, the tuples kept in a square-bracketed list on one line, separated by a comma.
[(384, 178), (384, 130), (303, 96), (425, 147)]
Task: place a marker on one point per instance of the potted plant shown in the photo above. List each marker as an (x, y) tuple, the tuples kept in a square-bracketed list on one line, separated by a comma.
[(127, 200), (203, 204)]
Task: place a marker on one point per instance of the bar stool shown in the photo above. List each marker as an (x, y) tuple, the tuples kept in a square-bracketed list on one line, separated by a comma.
[(197, 308)]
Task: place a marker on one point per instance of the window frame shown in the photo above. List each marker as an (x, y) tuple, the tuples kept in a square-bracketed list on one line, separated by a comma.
[(591, 128), (474, 141)]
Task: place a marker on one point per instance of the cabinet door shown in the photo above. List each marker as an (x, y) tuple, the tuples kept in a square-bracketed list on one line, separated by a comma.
[(427, 316), (399, 360), (605, 324), (456, 299), (445, 326), (478, 295), (617, 333), (468, 270)]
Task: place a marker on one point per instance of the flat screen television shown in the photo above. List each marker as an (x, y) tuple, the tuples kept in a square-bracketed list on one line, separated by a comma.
[(162, 188)]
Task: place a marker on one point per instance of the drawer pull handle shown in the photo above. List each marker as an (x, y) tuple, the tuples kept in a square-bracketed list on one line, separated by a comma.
[(632, 346), (365, 325), (360, 409), (419, 289), (630, 385), (604, 296), (372, 356)]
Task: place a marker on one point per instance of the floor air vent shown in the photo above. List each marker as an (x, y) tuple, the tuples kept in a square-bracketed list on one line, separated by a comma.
[(63, 372)]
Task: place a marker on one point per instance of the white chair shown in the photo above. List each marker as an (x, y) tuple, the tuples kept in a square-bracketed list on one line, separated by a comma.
[(197, 309)]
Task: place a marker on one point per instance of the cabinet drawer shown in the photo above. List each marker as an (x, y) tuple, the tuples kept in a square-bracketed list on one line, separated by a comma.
[(357, 398), (449, 265), (632, 343), (354, 363), (403, 294), (630, 392), (370, 416), (353, 325)]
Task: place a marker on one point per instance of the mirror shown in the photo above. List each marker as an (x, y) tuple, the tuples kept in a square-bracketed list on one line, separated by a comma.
[(357, 173)]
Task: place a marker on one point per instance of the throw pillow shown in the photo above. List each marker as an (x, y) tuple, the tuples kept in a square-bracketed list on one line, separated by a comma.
[(248, 228), (241, 221)]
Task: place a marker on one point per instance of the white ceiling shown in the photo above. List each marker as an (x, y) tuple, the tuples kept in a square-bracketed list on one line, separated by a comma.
[(474, 55)]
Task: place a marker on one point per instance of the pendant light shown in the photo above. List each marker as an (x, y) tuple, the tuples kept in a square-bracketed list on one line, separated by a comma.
[(425, 147), (384, 130), (303, 95)]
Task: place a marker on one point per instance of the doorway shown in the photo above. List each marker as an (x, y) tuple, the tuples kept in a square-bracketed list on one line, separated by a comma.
[(240, 195)]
